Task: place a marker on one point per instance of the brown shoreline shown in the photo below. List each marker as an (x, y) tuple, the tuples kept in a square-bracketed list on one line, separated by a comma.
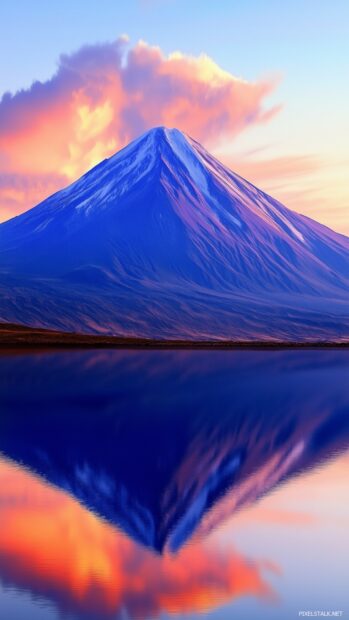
[(16, 337)]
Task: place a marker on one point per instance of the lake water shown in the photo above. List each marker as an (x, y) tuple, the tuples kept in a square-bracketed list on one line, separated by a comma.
[(148, 484)]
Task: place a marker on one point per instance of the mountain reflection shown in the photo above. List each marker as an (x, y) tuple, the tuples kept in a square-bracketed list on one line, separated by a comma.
[(166, 444)]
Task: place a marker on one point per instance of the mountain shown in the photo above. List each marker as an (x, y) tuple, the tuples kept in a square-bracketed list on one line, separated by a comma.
[(168, 444), (162, 241)]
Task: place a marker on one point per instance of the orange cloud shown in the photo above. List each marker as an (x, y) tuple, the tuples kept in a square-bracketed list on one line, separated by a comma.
[(97, 570), (103, 96)]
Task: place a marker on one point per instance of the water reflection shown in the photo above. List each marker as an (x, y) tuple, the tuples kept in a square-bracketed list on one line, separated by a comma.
[(54, 548), (166, 445)]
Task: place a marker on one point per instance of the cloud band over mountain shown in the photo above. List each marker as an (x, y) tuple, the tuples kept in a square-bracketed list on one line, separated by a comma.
[(100, 98)]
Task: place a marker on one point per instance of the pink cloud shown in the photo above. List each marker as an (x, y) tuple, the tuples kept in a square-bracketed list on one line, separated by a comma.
[(103, 96)]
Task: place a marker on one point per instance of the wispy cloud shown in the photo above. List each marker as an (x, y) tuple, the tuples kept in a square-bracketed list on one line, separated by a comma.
[(313, 185), (275, 169), (19, 192)]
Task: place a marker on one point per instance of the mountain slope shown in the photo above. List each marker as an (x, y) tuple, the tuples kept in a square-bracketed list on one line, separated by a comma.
[(163, 241)]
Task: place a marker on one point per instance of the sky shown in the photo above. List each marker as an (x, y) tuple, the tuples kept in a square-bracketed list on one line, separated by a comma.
[(262, 84)]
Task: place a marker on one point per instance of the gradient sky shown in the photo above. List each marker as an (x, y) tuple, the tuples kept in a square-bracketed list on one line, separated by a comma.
[(283, 125)]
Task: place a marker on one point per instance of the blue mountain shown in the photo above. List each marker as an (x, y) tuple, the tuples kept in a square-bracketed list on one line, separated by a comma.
[(163, 241)]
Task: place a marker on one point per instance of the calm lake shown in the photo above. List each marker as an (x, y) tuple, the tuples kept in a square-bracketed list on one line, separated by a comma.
[(147, 484)]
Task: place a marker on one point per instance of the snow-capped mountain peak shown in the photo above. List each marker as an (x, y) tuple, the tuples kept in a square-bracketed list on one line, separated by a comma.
[(162, 240)]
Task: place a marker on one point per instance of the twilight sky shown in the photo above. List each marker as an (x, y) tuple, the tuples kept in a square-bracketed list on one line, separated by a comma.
[(262, 84)]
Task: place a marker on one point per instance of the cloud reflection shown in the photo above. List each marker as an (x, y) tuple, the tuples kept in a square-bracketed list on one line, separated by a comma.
[(57, 550)]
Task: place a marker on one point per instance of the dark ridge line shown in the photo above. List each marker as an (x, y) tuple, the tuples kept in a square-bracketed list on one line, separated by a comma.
[(13, 336)]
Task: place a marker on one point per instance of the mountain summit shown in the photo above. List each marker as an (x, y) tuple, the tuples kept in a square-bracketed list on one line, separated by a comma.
[(163, 241)]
